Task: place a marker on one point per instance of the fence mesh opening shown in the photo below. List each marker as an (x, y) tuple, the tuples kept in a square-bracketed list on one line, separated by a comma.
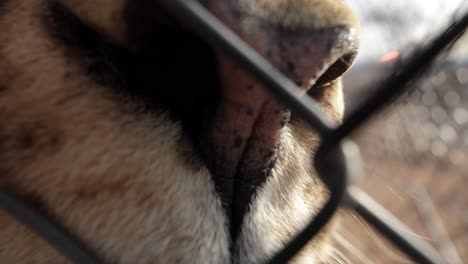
[(415, 154)]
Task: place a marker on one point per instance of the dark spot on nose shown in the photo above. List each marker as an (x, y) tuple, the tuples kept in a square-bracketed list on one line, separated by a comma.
[(3, 88), (290, 67), (67, 75), (27, 140), (238, 142)]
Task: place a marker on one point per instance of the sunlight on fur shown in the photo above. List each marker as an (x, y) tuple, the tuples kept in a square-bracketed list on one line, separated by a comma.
[(106, 128)]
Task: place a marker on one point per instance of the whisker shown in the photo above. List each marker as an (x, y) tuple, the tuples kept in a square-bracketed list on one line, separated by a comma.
[(394, 192), (352, 249), (321, 258), (336, 259), (341, 256), (387, 251)]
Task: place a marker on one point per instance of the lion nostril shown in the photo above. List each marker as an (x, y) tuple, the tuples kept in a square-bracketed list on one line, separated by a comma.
[(344, 43), (320, 55), (336, 70)]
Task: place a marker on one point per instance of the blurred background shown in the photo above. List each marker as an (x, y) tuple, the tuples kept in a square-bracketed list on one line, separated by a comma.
[(415, 152)]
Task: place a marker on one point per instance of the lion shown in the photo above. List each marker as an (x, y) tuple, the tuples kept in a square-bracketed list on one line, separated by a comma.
[(152, 146)]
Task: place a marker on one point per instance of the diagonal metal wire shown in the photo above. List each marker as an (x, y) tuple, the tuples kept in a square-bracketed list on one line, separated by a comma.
[(331, 158), (194, 15), (200, 20), (389, 226), (398, 82), (58, 237)]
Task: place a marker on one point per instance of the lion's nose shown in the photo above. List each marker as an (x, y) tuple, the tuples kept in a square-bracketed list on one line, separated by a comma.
[(242, 142), (304, 39)]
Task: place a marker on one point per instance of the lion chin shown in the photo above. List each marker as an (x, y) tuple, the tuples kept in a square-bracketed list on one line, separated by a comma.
[(151, 146)]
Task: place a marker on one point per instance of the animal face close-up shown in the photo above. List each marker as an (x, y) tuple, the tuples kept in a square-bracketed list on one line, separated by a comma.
[(150, 145)]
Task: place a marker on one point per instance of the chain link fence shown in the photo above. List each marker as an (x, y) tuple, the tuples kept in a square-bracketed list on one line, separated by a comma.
[(416, 156)]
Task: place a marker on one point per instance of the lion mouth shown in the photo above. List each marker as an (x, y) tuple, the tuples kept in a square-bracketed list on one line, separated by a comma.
[(234, 123), (241, 142)]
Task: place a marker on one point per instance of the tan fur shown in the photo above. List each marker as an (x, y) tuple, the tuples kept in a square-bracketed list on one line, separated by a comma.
[(119, 178), (302, 13), (105, 16)]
